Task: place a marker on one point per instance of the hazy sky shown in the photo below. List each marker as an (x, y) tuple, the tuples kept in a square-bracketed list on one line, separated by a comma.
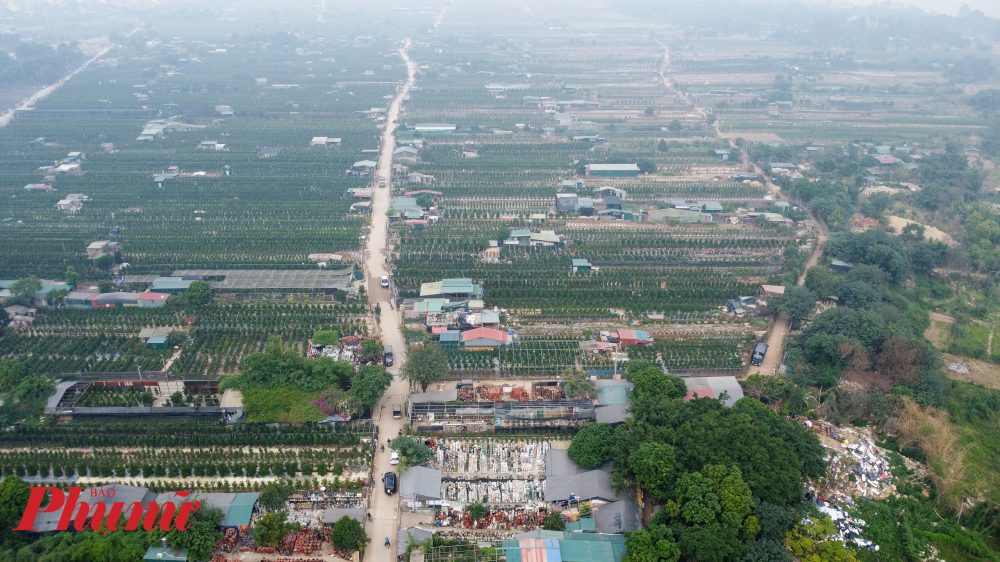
[(950, 7)]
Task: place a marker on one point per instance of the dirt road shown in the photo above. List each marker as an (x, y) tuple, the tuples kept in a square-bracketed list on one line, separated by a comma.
[(782, 324), (383, 508)]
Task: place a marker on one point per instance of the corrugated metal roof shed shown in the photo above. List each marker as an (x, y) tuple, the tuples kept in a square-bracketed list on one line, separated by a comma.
[(586, 551), (422, 482), (241, 510), (584, 524), (617, 517), (607, 395)]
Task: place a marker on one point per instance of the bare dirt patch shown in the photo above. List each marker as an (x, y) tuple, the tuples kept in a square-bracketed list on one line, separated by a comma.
[(939, 332), (931, 233), (979, 372)]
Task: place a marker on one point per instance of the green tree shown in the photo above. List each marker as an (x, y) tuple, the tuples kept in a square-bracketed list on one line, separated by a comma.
[(14, 495), (425, 366), (647, 166), (348, 534), (56, 295), (662, 146), (105, 286), (822, 281), (272, 528), (274, 494), (425, 201), (71, 276), (876, 204), (797, 303), (105, 261), (655, 543), (477, 511), (177, 398), (199, 293), (675, 125), (592, 445), (815, 542), (25, 288), (710, 513), (371, 350), (654, 466), (554, 522), (411, 452), (370, 384), (200, 539)]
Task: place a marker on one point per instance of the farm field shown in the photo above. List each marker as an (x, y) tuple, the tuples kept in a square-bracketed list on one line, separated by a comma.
[(484, 272)]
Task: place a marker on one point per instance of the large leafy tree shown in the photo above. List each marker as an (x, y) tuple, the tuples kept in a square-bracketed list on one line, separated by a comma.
[(199, 293), (592, 445), (13, 497), (411, 452), (25, 288), (425, 366), (653, 544), (370, 384), (272, 528), (655, 468), (797, 303), (371, 350), (814, 541), (710, 513), (348, 534)]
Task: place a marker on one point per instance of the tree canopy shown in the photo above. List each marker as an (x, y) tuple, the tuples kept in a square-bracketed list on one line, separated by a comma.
[(425, 366)]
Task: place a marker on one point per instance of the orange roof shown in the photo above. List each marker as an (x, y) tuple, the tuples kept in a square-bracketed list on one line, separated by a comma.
[(701, 393), (147, 296), (488, 333)]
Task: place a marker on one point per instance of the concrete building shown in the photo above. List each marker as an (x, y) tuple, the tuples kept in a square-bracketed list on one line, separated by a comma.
[(567, 203), (362, 169)]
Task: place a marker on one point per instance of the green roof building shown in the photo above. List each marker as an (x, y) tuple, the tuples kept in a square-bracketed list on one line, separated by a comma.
[(171, 285)]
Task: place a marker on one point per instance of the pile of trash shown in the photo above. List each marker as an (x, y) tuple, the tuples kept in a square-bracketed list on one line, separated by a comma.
[(856, 467), (520, 458), (848, 528), (305, 517), (475, 536), (492, 491), (497, 518)]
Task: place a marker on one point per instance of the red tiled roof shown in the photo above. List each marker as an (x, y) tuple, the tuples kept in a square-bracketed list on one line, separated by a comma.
[(488, 333), (702, 393), (438, 329), (147, 296), (627, 335)]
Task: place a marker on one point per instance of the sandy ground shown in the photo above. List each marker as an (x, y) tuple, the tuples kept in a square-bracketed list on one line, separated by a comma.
[(931, 233), (980, 372), (939, 331)]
